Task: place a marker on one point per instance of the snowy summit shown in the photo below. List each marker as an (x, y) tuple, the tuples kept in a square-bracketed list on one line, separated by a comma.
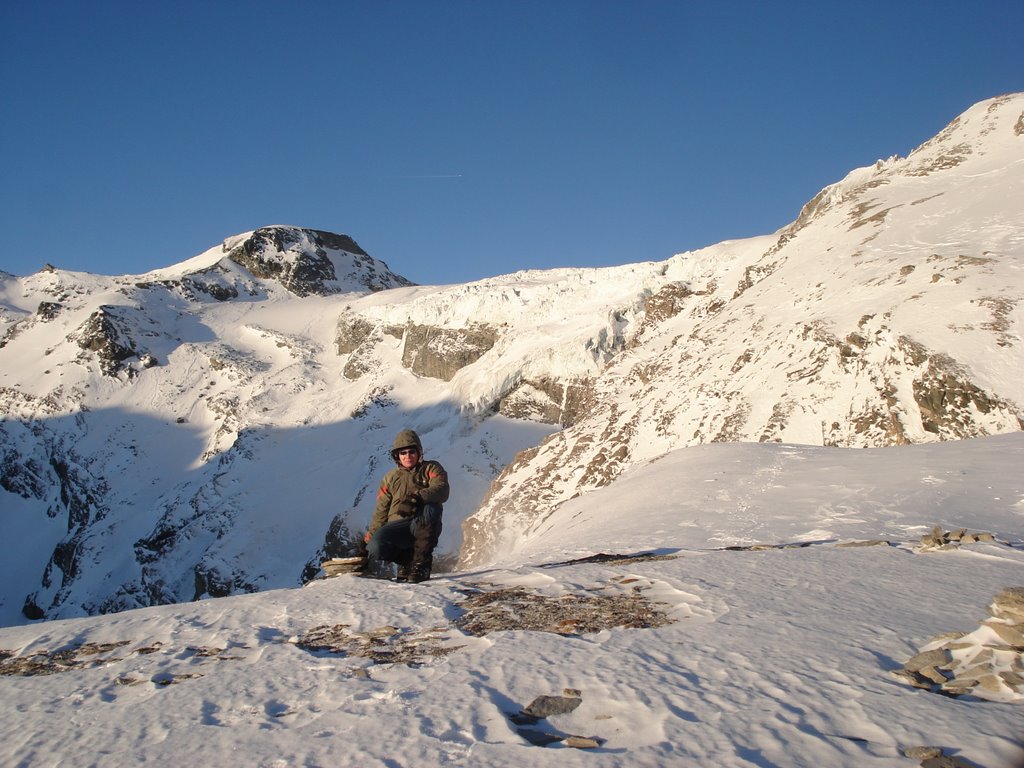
[(755, 505)]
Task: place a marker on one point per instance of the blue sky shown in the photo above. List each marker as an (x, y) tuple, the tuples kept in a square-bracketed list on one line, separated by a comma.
[(467, 138)]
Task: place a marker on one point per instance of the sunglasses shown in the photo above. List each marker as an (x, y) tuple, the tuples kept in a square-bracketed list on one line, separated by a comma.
[(407, 451)]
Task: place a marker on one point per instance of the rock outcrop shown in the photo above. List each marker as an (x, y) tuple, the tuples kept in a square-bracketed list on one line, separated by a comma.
[(305, 261), (987, 663), (108, 335), (440, 353)]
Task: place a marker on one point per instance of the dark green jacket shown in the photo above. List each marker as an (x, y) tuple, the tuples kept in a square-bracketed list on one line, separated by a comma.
[(428, 479)]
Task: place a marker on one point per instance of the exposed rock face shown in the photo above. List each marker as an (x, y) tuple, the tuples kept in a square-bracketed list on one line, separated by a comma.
[(440, 353), (663, 305), (59, 477), (352, 333), (431, 351), (549, 401), (107, 335), (358, 338), (950, 402), (300, 260)]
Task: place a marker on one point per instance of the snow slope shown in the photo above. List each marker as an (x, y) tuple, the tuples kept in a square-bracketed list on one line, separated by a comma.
[(775, 657), (219, 426), (888, 313)]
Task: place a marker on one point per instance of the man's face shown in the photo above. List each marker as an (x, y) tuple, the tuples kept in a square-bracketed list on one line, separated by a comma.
[(408, 457)]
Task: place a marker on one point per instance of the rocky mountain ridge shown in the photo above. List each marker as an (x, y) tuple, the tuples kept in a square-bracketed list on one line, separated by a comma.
[(872, 320), (219, 426)]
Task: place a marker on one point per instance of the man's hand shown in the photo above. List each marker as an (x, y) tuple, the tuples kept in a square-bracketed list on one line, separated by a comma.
[(409, 506)]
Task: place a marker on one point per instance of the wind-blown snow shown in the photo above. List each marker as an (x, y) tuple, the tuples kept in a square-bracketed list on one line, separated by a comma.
[(781, 657)]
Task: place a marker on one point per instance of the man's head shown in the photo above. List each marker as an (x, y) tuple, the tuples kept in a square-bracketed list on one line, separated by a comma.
[(407, 449)]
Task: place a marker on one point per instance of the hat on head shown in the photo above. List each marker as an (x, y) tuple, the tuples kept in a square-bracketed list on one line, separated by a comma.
[(407, 438)]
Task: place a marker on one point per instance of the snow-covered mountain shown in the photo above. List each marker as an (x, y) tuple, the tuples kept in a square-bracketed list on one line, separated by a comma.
[(219, 426), (888, 313)]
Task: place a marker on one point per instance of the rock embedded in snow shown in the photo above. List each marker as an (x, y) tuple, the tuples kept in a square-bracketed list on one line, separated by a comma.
[(987, 663), (922, 753), (938, 539), (1009, 605), (546, 706)]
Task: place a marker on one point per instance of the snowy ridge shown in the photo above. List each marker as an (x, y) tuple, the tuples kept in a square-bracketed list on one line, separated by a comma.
[(219, 426), (877, 319)]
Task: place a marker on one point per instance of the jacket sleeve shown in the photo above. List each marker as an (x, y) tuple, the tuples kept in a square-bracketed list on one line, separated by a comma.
[(380, 512), (436, 490)]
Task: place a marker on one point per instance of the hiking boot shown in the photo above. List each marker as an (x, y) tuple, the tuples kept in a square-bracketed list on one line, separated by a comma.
[(404, 573), (420, 572)]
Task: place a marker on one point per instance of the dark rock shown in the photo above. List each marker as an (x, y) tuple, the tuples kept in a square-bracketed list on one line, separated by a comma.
[(546, 706), (539, 738), (352, 332), (549, 401), (48, 310), (107, 334), (30, 610), (298, 259), (440, 353)]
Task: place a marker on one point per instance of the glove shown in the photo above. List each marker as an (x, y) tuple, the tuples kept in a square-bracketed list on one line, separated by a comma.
[(409, 506)]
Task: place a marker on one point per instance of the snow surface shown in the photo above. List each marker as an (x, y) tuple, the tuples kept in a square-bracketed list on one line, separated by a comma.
[(780, 657)]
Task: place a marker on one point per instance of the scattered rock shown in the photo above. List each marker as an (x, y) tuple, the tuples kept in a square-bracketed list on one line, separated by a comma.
[(987, 663), (339, 565), (948, 761), (612, 559), (581, 742), (922, 753), (166, 678), (517, 608), (51, 662), (383, 645), (866, 543), (937, 657), (938, 539), (765, 547), (1009, 605), (539, 738), (545, 706)]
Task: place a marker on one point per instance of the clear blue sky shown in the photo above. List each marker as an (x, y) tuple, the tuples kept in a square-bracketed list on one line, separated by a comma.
[(460, 139)]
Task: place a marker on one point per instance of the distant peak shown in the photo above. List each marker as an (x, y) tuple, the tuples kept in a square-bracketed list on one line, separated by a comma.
[(284, 238), (310, 261)]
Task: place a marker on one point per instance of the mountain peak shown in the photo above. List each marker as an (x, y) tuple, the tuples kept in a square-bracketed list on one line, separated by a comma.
[(309, 261)]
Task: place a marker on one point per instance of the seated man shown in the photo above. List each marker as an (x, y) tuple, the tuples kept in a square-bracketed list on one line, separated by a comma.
[(406, 522)]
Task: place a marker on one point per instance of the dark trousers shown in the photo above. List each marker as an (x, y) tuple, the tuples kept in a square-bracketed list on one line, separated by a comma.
[(408, 541)]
